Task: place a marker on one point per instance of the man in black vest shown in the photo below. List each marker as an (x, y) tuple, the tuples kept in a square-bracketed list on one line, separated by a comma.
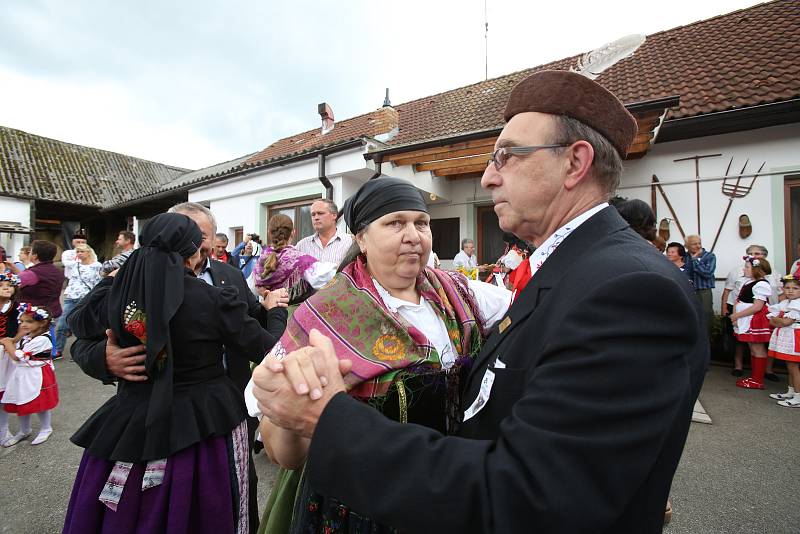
[(576, 411)]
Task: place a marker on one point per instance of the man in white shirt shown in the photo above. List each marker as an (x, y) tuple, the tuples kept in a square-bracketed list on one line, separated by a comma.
[(466, 258), (68, 258), (328, 242)]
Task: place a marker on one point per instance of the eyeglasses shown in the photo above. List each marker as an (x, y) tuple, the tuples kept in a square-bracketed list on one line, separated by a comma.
[(501, 155)]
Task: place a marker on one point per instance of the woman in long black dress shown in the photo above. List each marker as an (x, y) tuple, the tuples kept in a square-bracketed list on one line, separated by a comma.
[(169, 454)]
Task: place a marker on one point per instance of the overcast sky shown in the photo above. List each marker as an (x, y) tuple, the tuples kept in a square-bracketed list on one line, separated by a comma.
[(197, 82)]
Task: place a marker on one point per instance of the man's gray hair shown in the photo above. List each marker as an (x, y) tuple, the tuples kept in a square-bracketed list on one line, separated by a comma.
[(465, 241), (762, 248), (607, 163), (222, 237), (187, 208), (330, 203)]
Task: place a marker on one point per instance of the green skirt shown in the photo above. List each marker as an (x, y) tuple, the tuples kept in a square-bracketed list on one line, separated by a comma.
[(277, 518)]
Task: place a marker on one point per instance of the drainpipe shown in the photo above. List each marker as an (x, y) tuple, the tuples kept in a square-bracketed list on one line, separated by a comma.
[(322, 178), (378, 164)]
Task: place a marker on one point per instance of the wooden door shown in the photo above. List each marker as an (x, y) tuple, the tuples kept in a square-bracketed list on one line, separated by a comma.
[(791, 218)]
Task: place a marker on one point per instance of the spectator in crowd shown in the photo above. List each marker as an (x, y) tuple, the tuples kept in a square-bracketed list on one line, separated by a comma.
[(40, 284), (68, 256), (466, 258), (328, 243), (640, 216), (102, 358), (282, 266), (24, 257), (125, 242), (703, 268), (733, 285), (220, 252), (604, 315), (246, 253), (84, 275), (676, 253)]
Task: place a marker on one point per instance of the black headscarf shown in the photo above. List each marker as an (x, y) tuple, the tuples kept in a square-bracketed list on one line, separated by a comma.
[(378, 197), (145, 295)]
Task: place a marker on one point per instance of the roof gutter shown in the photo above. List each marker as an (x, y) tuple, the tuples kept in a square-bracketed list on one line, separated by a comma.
[(241, 173)]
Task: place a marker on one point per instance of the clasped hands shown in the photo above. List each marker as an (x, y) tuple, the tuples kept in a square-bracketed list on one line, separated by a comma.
[(293, 392)]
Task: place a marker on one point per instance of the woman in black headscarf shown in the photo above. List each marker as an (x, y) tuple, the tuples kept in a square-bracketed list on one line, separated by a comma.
[(410, 332), (169, 454)]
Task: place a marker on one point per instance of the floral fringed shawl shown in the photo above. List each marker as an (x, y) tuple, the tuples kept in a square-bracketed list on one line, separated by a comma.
[(382, 345)]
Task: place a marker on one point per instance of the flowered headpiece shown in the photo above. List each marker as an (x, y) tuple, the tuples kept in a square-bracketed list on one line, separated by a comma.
[(751, 260), (9, 277), (792, 277), (37, 312)]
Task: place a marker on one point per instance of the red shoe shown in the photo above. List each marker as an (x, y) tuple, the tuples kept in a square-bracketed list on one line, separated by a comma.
[(756, 381), (749, 383)]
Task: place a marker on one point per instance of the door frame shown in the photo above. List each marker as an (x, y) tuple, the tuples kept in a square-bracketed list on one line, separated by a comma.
[(789, 182)]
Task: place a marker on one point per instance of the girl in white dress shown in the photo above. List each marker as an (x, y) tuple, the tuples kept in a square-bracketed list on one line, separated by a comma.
[(785, 341), (32, 386)]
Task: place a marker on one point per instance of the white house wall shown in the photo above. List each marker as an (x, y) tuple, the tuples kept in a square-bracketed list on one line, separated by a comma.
[(15, 210), (778, 146), (243, 201)]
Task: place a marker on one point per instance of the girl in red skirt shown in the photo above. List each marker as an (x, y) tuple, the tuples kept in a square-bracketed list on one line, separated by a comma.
[(750, 323), (32, 386), (785, 342)]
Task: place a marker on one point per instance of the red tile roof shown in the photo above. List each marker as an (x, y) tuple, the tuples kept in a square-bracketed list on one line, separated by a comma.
[(370, 124), (741, 59)]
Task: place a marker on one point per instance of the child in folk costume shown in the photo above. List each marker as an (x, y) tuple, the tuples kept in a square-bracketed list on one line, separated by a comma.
[(32, 387), (749, 318), (8, 328), (785, 341)]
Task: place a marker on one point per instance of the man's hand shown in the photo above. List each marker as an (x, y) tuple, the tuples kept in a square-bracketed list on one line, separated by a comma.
[(277, 298), (128, 363), (293, 392)]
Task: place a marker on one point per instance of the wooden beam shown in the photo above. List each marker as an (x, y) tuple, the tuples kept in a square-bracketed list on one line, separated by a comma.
[(460, 170), (465, 176), (488, 142), (445, 155), (453, 163)]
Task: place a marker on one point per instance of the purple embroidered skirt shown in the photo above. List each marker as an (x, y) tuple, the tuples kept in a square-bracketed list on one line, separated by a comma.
[(204, 491)]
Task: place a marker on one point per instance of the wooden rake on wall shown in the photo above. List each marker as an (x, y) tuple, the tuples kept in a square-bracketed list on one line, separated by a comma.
[(735, 189)]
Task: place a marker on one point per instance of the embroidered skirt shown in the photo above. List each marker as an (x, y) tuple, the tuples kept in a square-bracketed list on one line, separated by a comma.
[(204, 490), (757, 329), (785, 343), (47, 399)]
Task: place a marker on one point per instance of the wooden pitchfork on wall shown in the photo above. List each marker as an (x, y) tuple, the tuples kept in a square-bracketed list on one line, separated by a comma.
[(735, 190)]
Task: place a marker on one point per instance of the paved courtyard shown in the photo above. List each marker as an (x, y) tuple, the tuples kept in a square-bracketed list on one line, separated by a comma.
[(737, 475)]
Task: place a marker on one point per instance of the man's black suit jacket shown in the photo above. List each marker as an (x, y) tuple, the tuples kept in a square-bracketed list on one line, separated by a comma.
[(584, 425), (90, 352)]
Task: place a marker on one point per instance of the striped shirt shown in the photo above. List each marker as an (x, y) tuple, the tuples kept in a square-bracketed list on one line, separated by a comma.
[(333, 252), (703, 269)]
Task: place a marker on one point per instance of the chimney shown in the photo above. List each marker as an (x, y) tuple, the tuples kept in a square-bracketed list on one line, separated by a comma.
[(386, 102), (326, 114)]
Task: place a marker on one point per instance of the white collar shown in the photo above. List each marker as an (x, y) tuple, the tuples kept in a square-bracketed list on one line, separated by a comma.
[(394, 303), (550, 244)]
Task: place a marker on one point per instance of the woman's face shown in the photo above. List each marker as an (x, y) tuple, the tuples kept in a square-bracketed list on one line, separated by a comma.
[(248, 249), (23, 257), (397, 247), (674, 255), (82, 255)]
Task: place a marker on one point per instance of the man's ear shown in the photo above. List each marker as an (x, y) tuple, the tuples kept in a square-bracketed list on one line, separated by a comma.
[(580, 156)]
